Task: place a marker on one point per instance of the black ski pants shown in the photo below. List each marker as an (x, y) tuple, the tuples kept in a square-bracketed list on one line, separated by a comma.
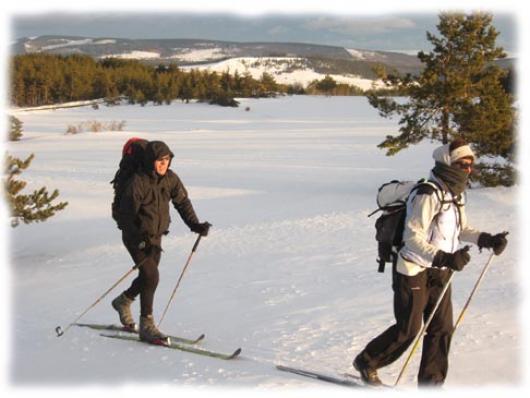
[(147, 280), (414, 300)]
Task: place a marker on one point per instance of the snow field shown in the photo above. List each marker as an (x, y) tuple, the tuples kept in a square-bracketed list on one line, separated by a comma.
[(288, 271)]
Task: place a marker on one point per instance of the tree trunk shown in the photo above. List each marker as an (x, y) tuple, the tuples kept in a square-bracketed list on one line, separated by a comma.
[(445, 126)]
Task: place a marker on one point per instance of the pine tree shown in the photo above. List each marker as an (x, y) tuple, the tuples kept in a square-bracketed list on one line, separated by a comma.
[(327, 85), (35, 207), (458, 93), (269, 86), (15, 129)]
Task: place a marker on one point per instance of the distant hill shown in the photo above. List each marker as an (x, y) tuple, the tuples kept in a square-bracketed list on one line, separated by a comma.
[(338, 60), (287, 62)]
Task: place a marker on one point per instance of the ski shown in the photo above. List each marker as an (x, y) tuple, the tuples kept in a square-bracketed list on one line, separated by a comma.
[(118, 328), (358, 379), (177, 346), (321, 376)]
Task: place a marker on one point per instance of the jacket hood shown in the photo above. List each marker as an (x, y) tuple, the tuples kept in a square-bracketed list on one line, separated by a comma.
[(153, 151), (442, 155)]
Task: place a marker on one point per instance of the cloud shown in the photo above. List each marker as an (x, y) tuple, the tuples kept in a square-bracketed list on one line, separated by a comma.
[(347, 25)]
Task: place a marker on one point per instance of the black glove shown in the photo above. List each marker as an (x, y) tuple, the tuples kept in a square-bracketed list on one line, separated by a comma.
[(496, 242), (455, 261), (201, 228)]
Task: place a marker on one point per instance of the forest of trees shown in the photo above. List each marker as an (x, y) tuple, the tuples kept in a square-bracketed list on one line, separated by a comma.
[(44, 79)]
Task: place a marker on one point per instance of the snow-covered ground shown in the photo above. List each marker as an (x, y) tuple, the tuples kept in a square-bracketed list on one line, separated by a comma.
[(288, 272), (285, 70), (194, 55), (135, 55)]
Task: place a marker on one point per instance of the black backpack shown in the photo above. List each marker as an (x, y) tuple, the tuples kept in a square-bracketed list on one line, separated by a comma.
[(131, 161), (392, 201)]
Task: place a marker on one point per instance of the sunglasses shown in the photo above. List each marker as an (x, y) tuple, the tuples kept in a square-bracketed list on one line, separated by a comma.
[(464, 165)]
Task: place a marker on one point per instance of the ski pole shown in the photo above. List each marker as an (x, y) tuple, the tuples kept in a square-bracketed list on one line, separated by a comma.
[(425, 326), (60, 330), (180, 278), (461, 316)]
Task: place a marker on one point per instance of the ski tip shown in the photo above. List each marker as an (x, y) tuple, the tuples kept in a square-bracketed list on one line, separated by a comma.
[(236, 353)]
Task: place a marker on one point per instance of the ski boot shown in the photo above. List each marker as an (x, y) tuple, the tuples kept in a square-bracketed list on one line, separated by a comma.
[(122, 304), (368, 374), (150, 333)]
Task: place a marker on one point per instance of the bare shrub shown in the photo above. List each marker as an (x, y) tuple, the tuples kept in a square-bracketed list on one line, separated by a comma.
[(96, 126), (71, 129)]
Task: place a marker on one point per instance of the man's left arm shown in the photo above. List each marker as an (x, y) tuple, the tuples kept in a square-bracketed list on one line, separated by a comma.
[(182, 203)]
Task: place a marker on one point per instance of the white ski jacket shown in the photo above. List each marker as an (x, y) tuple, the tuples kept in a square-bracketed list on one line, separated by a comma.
[(433, 222)]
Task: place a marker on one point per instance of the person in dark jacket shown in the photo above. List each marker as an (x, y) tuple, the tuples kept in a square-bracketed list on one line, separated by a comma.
[(435, 225), (143, 217)]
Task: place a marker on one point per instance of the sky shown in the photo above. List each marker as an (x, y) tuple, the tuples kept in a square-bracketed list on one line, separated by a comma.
[(385, 31)]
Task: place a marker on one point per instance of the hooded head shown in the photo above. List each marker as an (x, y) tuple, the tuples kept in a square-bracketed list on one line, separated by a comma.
[(450, 154), (453, 164), (156, 151)]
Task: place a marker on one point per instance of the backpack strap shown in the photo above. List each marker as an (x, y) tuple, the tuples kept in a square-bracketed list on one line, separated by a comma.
[(428, 187), (457, 201)]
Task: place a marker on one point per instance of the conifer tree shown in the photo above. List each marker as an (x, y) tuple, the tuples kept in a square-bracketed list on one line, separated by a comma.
[(268, 83), (327, 84), (458, 93), (35, 207), (15, 129)]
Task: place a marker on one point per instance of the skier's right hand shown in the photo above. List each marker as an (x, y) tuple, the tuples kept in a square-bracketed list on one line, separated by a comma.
[(456, 261), (201, 228)]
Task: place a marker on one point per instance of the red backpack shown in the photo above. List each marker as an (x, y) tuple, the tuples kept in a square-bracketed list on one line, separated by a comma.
[(131, 161)]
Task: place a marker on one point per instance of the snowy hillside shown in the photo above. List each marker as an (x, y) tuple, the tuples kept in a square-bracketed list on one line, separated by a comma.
[(347, 64), (288, 271), (284, 70)]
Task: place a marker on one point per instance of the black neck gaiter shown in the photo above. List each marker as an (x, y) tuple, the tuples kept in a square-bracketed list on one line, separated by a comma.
[(455, 178)]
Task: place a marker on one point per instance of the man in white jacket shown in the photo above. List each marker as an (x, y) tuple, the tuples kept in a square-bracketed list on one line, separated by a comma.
[(434, 226)]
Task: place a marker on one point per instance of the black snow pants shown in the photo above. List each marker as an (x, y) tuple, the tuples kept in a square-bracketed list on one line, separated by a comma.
[(414, 300), (147, 280)]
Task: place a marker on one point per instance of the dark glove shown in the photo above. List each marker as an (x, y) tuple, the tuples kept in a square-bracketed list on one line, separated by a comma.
[(455, 261), (496, 242), (201, 228)]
